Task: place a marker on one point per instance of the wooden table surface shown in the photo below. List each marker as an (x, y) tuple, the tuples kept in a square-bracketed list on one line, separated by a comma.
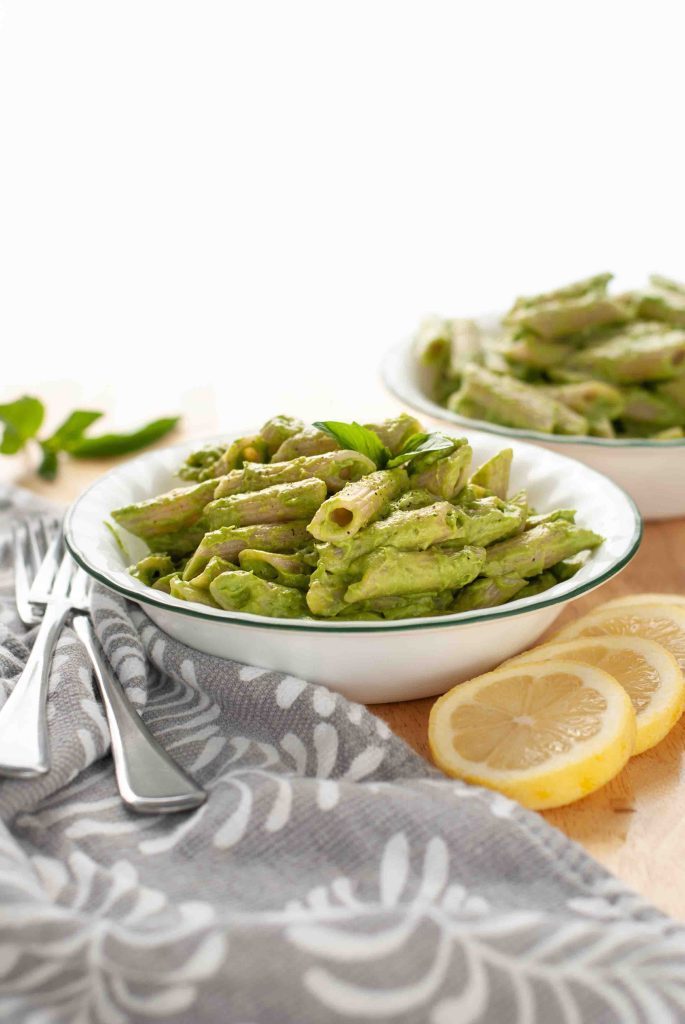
[(635, 825)]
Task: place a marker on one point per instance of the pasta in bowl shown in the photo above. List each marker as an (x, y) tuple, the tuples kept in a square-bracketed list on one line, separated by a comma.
[(384, 561)]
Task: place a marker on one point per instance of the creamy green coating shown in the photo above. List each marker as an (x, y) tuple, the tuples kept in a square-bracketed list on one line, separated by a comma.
[(388, 571), (417, 540), (494, 474), (164, 582), (487, 520), (569, 362), (535, 550), (504, 400), (336, 469), (280, 503), (569, 514), (244, 449), (658, 411), (568, 567), (308, 441), (326, 594), (179, 543), (405, 606), (394, 433), (432, 341), (664, 300), (408, 531), (674, 390), (357, 505), (199, 464), (214, 461), (538, 585), (187, 592), (593, 399), (415, 497), (277, 430), (487, 592), (245, 592), (229, 541), (577, 307), (596, 284), (167, 513), (527, 350), (152, 568), (290, 570), (214, 567), (445, 477), (630, 360)]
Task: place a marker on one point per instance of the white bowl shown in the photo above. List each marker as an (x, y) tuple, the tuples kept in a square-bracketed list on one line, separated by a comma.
[(366, 661), (652, 472)]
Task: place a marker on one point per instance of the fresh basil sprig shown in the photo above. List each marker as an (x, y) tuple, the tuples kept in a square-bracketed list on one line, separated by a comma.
[(356, 438), (420, 445), (21, 420), (106, 445), (69, 431), (428, 447)]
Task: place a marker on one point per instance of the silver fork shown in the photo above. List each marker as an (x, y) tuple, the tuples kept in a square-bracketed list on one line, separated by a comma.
[(23, 718), (36, 544), (149, 780)]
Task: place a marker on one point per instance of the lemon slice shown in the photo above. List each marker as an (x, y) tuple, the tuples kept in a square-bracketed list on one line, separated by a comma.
[(545, 734), (653, 621), (648, 673)]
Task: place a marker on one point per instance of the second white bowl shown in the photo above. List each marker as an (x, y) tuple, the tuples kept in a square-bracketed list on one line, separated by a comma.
[(652, 472)]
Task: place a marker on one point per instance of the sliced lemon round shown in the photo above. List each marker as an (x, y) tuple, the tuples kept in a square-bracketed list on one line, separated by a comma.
[(648, 673), (544, 734), (660, 622)]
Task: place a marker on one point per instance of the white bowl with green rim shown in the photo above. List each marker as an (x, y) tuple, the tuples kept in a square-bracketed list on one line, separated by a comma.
[(366, 661), (652, 472)]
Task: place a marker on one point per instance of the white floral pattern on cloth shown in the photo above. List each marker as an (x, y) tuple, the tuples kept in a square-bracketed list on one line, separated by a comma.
[(332, 875), (94, 944)]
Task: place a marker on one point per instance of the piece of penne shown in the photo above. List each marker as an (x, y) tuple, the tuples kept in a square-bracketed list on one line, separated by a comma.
[(289, 570), (336, 469), (167, 513), (229, 541), (245, 592), (408, 531), (357, 505), (281, 503), (388, 571)]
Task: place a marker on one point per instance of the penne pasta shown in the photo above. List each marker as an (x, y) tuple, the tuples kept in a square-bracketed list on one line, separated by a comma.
[(341, 521)]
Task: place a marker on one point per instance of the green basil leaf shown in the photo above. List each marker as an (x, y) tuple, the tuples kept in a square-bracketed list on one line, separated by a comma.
[(21, 421), (356, 438), (417, 445), (72, 429), (121, 444), (48, 466)]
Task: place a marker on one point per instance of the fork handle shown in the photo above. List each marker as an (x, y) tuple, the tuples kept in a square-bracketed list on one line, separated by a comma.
[(23, 718), (149, 781)]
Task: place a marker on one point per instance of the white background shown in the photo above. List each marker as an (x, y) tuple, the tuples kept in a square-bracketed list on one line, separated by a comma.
[(251, 201)]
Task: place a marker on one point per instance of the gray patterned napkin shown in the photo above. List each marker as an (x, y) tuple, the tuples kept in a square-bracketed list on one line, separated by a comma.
[(332, 876)]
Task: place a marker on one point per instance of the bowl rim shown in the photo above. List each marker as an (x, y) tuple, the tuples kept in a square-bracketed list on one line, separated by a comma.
[(165, 602), (400, 384)]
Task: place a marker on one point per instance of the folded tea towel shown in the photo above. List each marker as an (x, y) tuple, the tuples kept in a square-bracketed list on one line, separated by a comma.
[(332, 876)]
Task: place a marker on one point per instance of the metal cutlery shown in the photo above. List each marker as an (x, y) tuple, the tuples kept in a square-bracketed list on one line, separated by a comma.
[(149, 780), (23, 717)]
